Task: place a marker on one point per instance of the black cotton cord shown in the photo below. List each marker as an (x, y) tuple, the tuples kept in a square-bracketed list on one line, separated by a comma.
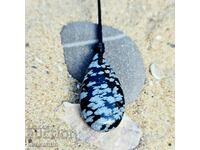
[(99, 23), (100, 44)]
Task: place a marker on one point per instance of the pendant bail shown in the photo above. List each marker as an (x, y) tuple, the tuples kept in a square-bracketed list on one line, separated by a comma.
[(100, 49)]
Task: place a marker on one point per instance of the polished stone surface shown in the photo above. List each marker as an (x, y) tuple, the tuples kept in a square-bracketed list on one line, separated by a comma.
[(101, 98)]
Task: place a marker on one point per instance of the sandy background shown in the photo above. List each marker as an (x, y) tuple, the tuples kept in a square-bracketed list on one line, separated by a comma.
[(149, 22)]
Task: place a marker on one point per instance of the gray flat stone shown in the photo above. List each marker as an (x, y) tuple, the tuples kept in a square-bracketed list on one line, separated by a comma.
[(78, 40)]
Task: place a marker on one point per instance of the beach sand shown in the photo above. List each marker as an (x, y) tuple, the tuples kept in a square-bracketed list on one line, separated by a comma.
[(149, 23)]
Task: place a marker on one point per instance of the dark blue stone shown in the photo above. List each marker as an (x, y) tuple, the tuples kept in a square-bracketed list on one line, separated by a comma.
[(101, 99)]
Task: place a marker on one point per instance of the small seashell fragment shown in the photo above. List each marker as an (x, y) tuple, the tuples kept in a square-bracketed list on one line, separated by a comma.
[(155, 72), (158, 37)]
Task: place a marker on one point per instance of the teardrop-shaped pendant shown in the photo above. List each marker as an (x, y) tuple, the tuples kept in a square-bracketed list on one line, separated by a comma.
[(101, 99)]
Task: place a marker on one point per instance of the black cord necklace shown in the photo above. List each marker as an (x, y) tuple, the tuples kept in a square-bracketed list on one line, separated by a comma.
[(100, 45), (101, 99)]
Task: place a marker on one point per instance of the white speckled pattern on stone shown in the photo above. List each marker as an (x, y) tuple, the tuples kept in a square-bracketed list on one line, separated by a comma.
[(101, 98)]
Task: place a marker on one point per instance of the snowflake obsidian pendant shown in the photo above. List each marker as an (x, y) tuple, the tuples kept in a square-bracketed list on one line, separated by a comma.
[(101, 99)]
